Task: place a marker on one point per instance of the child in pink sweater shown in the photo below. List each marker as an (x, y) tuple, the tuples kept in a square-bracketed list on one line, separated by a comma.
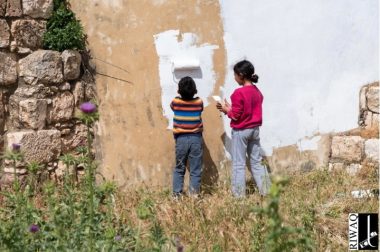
[(245, 112)]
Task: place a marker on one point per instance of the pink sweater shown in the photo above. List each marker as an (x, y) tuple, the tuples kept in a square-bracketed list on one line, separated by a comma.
[(246, 111)]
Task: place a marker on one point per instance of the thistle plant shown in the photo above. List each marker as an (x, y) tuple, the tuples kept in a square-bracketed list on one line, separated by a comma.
[(33, 168), (278, 236), (89, 116)]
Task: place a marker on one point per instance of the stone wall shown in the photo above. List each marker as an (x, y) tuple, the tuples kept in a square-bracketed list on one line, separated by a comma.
[(357, 148), (40, 90)]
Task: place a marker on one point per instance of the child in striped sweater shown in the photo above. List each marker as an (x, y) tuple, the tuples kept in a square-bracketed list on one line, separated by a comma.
[(187, 130)]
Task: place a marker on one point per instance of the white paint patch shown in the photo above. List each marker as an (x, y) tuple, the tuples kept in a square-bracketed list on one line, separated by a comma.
[(309, 144), (158, 2), (311, 60), (173, 46), (116, 4)]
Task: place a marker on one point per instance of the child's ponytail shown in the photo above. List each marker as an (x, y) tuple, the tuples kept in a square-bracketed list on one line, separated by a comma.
[(254, 78)]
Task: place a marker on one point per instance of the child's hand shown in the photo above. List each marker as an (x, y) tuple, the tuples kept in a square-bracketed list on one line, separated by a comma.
[(225, 108)]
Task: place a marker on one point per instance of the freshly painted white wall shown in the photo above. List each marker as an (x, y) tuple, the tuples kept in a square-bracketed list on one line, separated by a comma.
[(171, 48), (312, 57)]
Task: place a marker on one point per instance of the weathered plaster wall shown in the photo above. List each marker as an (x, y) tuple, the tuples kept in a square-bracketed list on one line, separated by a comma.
[(136, 145), (312, 58)]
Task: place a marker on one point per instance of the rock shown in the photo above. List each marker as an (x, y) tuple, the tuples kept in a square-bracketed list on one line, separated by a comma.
[(33, 113), (2, 113), (347, 148), (63, 107), (336, 166), (371, 148), (78, 93), (38, 8), (11, 170), (65, 87), (89, 86), (371, 120), (71, 64), (13, 8), (22, 93), (77, 137), (6, 180), (27, 34), (41, 146), (353, 169), (62, 168), (363, 98), (373, 99), (13, 108), (3, 6), (39, 91), (4, 34), (65, 132), (43, 66), (8, 68)]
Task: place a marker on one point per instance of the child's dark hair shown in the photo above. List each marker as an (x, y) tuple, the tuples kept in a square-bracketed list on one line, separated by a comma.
[(245, 69), (187, 88)]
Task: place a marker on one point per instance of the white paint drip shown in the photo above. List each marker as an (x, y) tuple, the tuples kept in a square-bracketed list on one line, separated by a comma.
[(169, 48)]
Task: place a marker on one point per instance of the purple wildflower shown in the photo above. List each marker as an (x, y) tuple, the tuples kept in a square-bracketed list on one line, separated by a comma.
[(117, 238), (34, 228), (88, 107), (16, 146)]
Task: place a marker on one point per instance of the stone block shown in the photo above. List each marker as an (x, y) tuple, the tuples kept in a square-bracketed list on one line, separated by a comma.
[(3, 7), (79, 92), (33, 113), (336, 166), (2, 113), (371, 149), (41, 146), (4, 34), (65, 87), (363, 98), (347, 148), (77, 137), (353, 169), (13, 8), (62, 108), (8, 68), (72, 61), (38, 8), (373, 99), (27, 34), (43, 66)]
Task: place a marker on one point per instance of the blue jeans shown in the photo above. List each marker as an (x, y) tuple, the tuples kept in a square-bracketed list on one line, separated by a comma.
[(188, 148), (247, 142)]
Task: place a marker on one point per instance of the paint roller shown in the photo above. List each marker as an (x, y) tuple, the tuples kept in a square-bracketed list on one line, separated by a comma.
[(183, 64)]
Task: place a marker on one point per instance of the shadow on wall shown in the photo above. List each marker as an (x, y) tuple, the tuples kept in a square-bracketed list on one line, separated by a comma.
[(210, 174)]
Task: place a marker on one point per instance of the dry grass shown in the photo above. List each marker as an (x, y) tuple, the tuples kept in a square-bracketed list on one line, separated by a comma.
[(318, 201)]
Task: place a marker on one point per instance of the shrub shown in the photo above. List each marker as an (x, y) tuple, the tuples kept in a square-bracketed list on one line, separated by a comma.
[(64, 31)]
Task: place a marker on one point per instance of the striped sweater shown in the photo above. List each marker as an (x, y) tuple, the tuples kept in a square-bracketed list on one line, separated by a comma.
[(187, 116)]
